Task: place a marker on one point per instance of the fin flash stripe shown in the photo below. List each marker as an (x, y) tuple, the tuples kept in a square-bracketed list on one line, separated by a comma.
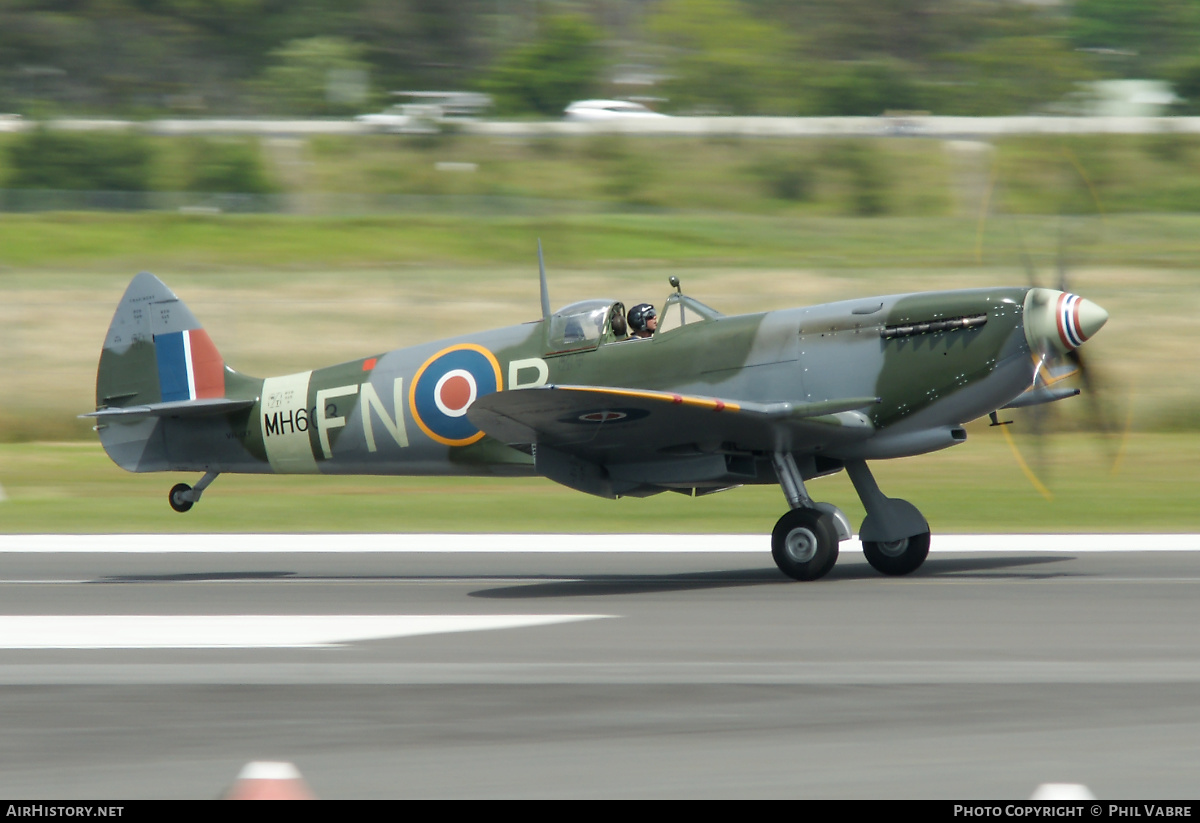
[(189, 366)]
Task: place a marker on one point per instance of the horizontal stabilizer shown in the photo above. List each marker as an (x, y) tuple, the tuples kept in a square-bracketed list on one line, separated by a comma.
[(174, 408)]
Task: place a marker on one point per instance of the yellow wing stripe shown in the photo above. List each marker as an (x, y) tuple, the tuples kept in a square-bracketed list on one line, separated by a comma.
[(663, 397)]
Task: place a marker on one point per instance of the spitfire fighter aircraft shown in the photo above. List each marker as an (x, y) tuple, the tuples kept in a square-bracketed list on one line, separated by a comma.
[(706, 403)]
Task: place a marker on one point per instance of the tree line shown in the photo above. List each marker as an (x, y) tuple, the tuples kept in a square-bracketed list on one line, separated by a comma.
[(744, 57)]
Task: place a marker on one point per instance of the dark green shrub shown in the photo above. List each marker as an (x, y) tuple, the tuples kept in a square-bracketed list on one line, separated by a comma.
[(233, 166), (866, 89), (1168, 147), (80, 161), (563, 63), (865, 173), (786, 178), (1184, 75)]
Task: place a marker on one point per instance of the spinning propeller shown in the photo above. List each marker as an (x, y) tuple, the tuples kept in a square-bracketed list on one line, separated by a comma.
[(1057, 323)]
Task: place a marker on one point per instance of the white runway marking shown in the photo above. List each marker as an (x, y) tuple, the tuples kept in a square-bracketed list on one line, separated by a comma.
[(242, 631), (550, 543)]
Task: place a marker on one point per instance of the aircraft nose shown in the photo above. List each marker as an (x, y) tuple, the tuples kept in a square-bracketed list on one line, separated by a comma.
[(1060, 320), (1089, 317)]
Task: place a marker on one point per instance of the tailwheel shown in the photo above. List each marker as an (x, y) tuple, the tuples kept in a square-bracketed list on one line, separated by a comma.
[(805, 544), (180, 497), (897, 556)]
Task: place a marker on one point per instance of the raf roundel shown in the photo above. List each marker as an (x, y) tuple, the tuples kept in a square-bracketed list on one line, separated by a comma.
[(596, 417), (445, 387)]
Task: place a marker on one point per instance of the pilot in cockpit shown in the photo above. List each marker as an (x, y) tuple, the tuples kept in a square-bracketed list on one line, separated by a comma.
[(643, 320)]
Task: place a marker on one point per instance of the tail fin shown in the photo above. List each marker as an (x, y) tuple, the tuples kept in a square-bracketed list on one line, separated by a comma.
[(156, 351), (158, 365)]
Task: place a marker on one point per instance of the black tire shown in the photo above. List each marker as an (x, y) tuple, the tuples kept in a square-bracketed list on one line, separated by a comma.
[(176, 499), (805, 544), (898, 557)]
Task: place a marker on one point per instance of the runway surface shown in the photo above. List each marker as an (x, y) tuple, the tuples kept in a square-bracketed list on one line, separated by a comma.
[(596, 666)]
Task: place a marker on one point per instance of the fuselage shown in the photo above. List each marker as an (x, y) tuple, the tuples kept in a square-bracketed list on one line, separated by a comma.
[(706, 403), (933, 360)]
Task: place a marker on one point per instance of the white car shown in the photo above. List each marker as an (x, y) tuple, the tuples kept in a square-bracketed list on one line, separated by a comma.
[(608, 110), (408, 118)]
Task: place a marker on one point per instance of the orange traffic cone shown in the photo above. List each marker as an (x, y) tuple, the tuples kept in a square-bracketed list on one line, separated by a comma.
[(263, 780)]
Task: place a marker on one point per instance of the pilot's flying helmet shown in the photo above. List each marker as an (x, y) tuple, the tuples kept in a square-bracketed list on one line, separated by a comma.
[(620, 328), (640, 315)]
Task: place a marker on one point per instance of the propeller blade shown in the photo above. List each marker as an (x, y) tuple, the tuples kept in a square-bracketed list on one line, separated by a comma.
[(1054, 362), (1126, 429), (1030, 475), (1026, 261), (1062, 260), (1040, 425), (1089, 386), (985, 210), (544, 287), (1114, 441)]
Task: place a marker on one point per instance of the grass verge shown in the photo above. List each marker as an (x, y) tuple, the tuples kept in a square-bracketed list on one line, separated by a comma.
[(976, 487)]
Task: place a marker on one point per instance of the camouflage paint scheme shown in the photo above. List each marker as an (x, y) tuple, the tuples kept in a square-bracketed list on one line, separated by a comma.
[(709, 402)]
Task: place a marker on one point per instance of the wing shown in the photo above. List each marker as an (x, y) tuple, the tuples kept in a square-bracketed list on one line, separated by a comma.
[(608, 426)]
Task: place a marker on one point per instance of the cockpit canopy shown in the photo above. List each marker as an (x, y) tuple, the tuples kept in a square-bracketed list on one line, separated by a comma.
[(583, 325), (587, 324), (681, 310)]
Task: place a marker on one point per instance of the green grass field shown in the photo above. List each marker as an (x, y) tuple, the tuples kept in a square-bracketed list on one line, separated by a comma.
[(97, 243), (975, 487)]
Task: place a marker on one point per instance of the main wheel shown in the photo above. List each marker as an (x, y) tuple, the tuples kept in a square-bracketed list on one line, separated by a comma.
[(805, 544), (898, 556), (175, 497)]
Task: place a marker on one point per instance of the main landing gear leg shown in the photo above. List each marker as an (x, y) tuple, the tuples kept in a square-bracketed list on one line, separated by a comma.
[(804, 543), (182, 496), (895, 535)]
